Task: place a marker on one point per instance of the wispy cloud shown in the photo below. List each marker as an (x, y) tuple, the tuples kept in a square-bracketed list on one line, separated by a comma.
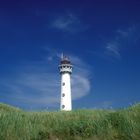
[(114, 47), (127, 33), (68, 23), (122, 39), (38, 85)]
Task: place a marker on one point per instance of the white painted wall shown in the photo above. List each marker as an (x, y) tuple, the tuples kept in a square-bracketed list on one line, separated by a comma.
[(66, 91)]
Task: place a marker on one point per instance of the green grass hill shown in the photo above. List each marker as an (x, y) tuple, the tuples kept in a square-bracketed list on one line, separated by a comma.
[(123, 124), (7, 108)]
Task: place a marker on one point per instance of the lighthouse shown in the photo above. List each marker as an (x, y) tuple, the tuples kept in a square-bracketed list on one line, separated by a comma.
[(65, 68)]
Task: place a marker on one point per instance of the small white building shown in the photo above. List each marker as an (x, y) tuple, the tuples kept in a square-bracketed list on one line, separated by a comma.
[(65, 71)]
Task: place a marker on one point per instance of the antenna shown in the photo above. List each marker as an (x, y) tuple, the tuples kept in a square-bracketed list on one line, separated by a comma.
[(62, 55)]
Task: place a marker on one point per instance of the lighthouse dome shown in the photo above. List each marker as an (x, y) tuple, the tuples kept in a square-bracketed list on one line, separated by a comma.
[(65, 65), (65, 60)]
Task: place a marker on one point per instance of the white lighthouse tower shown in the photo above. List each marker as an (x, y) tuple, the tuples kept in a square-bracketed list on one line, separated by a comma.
[(65, 71)]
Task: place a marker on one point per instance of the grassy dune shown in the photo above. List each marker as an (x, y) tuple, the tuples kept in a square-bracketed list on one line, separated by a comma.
[(16, 124)]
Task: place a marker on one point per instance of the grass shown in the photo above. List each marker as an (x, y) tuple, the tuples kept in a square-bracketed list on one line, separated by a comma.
[(16, 124)]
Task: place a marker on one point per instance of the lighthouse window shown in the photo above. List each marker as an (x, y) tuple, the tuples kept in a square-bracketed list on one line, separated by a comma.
[(63, 106), (63, 84), (63, 95)]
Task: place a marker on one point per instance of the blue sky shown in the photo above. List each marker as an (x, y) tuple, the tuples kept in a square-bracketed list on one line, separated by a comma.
[(102, 39)]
